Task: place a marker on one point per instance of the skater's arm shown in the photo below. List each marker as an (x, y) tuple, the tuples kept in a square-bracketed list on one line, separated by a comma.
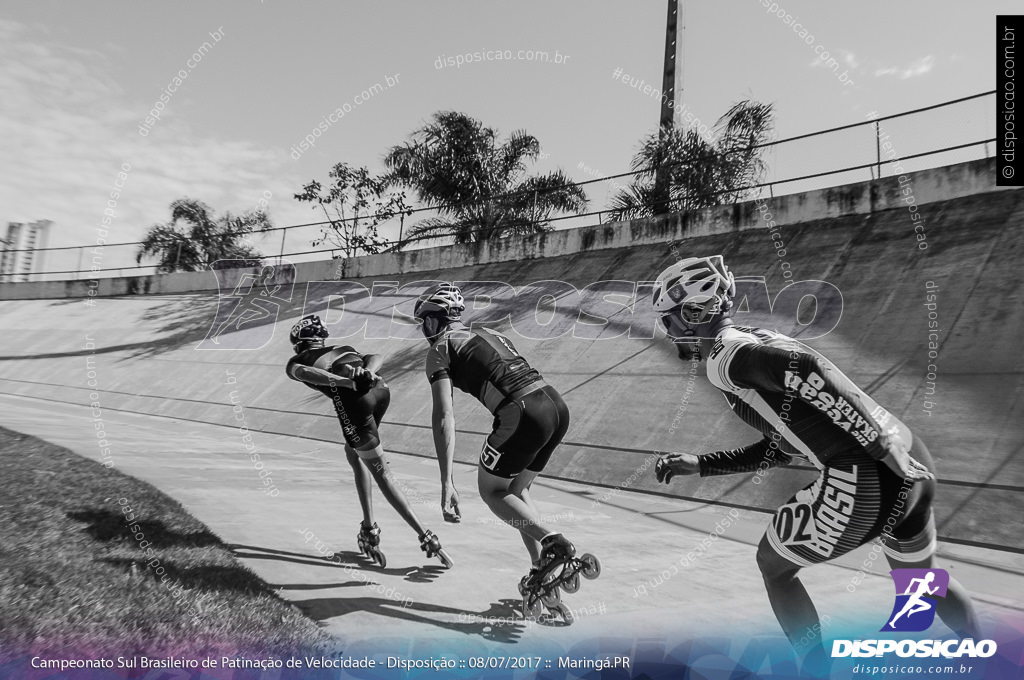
[(818, 383), (318, 376), (443, 422), (443, 416), (759, 455)]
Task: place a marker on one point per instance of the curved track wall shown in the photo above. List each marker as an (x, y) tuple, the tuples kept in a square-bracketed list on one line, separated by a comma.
[(628, 395)]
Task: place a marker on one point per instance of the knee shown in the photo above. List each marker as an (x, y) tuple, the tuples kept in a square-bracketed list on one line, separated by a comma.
[(378, 466)]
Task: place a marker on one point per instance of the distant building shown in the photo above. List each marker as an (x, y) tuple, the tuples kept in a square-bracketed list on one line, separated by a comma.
[(23, 253)]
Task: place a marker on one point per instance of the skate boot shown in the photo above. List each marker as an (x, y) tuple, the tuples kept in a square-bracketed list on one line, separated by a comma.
[(558, 568), (369, 543), (430, 544)]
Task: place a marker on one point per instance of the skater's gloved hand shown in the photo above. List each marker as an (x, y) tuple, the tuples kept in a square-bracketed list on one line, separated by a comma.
[(917, 471), (364, 379), (450, 504), (899, 459), (908, 468), (673, 464)]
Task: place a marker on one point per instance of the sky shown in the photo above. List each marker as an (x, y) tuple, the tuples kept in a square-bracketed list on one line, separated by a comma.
[(79, 79)]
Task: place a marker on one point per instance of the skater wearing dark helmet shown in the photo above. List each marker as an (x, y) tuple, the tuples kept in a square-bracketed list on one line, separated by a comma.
[(530, 420), (360, 398), (871, 467)]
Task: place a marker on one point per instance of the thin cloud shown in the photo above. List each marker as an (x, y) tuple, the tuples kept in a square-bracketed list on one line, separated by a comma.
[(849, 59), (916, 68), (67, 126)]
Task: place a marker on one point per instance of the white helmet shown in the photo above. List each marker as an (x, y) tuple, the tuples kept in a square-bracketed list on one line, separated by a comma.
[(701, 286), (446, 299)]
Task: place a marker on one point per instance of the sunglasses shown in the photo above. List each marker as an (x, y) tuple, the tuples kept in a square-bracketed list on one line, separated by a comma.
[(681, 322)]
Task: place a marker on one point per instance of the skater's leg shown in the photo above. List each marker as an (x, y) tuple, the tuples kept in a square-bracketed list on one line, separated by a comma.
[(955, 609), (363, 488), (557, 421), (912, 546), (520, 487), (789, 599), (526, 434), (377, 462), (512, 508)]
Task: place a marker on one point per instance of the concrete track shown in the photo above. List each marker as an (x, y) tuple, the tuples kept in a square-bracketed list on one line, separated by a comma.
[(646, 588)]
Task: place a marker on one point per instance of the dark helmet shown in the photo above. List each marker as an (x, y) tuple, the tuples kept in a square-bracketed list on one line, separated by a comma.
[(308, 329)]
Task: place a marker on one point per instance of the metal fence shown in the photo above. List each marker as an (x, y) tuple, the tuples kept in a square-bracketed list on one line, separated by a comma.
[(951, 132)]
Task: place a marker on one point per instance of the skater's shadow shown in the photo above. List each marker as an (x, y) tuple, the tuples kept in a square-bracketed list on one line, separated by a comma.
[(513, 609), (106, 525), (315, 586), (344, 559), (500, 622)]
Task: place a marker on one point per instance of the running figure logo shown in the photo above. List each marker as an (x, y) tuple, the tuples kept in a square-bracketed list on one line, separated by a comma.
[(248, 304), (914, 610)]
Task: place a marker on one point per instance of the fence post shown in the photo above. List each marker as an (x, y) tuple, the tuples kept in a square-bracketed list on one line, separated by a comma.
[(177, 258), (280, 255), (878, 153), (401, 230), (534, 207), (81, 254)]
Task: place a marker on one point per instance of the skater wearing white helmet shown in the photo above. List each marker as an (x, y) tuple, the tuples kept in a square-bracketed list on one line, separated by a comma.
[(530, 420), (871, 467)]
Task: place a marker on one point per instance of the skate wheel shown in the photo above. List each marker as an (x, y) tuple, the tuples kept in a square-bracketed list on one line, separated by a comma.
[(571, 584), (380, 559), (551, 599), (563, 610), (531, 607), (445, 560), (591, 566)]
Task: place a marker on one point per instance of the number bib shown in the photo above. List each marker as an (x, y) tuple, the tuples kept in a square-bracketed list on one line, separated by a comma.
[(794, 524)]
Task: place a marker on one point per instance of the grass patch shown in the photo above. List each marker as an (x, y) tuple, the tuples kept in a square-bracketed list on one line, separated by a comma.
[(76, 580)]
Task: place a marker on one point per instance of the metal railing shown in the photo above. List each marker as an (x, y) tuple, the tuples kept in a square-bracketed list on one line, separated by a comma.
[(856, 152)]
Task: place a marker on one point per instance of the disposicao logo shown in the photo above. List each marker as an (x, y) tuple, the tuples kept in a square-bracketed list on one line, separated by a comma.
[(914, 611)]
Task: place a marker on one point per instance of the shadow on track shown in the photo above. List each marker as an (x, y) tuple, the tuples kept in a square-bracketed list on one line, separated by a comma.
[(105, 525), (342, 559), (500, 622)]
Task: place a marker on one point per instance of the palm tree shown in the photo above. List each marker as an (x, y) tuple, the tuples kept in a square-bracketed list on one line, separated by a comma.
[(476, 183), (193, 240), (678, 170)]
